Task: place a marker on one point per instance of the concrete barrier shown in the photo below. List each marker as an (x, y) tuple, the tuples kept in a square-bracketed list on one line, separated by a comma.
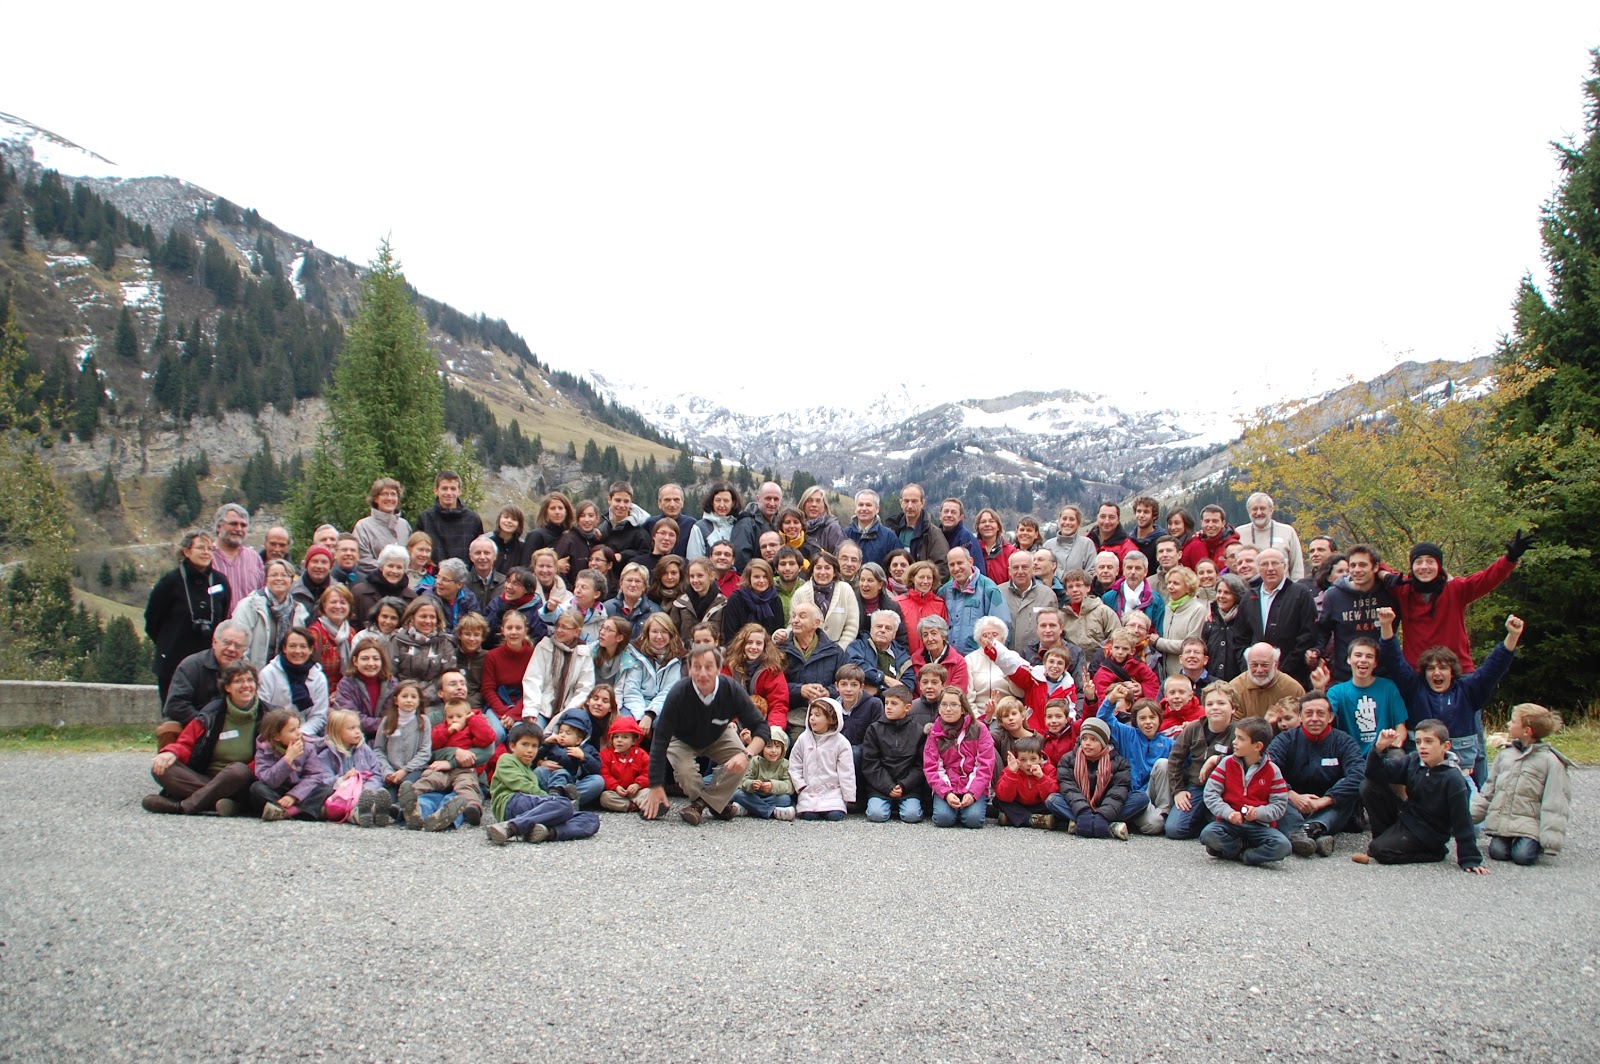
[(26, 703)]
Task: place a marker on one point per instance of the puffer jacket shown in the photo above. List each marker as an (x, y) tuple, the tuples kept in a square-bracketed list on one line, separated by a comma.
[(424, 658), (1116, 792), (891, 756), (655, 680), (966, 766), (842, 622), (823, 771), (1529, 795)]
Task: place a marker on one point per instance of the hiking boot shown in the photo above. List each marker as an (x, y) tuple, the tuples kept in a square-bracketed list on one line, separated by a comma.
[(227, 807), (474, 814), (500, 833), (273, 811), (783, 812), (1302, 844), (409, 807), (728, 812), (540, 833), (444, 817), (1119, 831), (692, 812), (1361, 857), (367, 807), (1046, 821), (160, 803), (1325, 846)]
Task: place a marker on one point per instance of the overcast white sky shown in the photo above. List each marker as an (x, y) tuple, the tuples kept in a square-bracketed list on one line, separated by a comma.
[(1207, 203)]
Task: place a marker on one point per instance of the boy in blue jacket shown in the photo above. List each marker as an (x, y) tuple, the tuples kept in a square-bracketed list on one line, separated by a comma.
[(1443, 693), (1142, 745), (567, 763)]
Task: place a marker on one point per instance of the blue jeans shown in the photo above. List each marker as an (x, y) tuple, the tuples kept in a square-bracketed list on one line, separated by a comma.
[(881, 810), (1519, 850), (946, 817), (831, 814), (523, 811), (761, 805), (1187, 825), (1250, 842), (1333, 820)]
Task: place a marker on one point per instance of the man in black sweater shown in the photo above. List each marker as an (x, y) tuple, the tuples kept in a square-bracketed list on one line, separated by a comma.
[(702, 717)]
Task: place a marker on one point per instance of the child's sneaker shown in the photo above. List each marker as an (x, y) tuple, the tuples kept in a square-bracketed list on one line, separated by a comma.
[(409, 807), (1119, 831), (1072, 827), (540, 833), (273, 811), (1044, 821), (367, 807), (735, 809), (783, 812), (571, 791), (444, 817), (1302, 844), (1325, 846), (227, 807), (500, 833), (1218, 854)]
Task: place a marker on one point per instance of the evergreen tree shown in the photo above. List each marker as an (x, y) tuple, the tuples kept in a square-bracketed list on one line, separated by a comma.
[(119, 654), (572, 451), (1550, 447), (104, 577), (386, 411), (591, 457), (799, 482), (180, 493), (126, 342), (127, 576), (105, 254), (17, 228), (89, 396)]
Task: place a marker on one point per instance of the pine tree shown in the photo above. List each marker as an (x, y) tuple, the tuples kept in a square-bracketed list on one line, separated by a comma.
[(104, 577), (121, 650), (572, 451), (17, 228), (180, 493), (89, 396), (1550, 417), (591, 457), (386, 410), (105, 254), (127, 576), (126, 342)]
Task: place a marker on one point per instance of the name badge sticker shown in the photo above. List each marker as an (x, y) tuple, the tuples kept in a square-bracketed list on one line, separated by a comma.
[(1330, 762), (1220, 748), (214, 589), (231, 733)]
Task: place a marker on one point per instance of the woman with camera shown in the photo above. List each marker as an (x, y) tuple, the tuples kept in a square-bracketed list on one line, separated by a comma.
[(184, 606)]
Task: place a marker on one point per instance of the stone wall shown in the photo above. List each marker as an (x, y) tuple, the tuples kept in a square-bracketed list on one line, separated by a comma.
[(24, 703)]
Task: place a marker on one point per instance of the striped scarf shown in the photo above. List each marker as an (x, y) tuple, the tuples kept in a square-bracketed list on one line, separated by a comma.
[(1102, 777)]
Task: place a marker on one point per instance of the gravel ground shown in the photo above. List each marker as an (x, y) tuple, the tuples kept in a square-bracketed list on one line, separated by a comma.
[(127, 936)]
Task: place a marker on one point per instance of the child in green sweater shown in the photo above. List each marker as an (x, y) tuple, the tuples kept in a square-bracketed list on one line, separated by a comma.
[(521, 807), (766, 790)]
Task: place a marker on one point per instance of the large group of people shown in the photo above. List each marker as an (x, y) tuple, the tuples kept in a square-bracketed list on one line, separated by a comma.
[(1186, 677)]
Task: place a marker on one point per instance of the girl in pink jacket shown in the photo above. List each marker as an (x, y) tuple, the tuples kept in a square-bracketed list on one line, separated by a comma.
[(821, 765), (958, 760)]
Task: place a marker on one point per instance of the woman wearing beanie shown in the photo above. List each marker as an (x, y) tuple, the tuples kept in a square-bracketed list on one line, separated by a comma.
[(1433, 604)]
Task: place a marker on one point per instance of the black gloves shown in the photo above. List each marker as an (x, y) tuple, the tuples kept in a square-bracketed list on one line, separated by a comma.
[(1519, 545)]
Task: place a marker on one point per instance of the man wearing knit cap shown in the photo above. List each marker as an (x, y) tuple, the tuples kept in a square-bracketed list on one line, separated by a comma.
[(314, 578), (1433, 604)]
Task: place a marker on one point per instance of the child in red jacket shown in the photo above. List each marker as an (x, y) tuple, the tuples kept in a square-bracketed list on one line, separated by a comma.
[(457, 741), (1060, 730), (1024, 785), (624, 766), (1120, 664), (1180, 706)]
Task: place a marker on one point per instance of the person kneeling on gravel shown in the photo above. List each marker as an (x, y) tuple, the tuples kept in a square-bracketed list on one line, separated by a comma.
[(1417, 829), (702, 717)]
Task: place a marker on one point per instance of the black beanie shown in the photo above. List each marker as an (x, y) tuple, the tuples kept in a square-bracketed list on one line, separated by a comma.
[(1428, 550)]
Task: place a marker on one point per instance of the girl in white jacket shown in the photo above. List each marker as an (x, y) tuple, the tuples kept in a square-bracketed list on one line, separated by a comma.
[(821, 766)]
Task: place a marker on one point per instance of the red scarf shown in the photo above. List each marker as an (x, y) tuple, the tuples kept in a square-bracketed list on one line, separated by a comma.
[(1102, 779)]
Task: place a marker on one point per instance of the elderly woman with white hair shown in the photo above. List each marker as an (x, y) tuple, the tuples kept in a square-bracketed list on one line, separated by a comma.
[(1263, 533), (388, 580), (987, 682)]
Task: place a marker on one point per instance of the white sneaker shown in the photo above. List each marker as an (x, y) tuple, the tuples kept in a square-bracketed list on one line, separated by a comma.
[(783, 812), (1119, 830)]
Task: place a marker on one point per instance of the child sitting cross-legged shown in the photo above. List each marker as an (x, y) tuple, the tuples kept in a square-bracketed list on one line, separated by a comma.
[(766, 790), (1247, 795), (1095, 796), (891, 761), (1025, 784), (821, 765), (624, 766), (345, 752), (1523, 807), (958, 761), (1144, 747), (457, 742), (291, 780), (521, 807)]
